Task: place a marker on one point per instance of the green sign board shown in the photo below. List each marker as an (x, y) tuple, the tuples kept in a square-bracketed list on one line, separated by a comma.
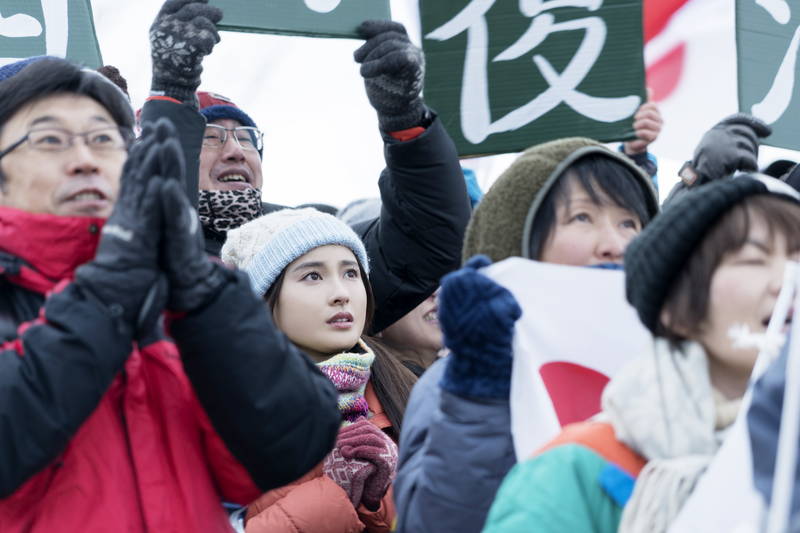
[(318, 18), (506, 74), (767, 41), (62, 28)]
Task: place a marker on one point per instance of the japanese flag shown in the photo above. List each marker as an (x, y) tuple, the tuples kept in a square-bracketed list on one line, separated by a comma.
[(690, 57), (576, 331)]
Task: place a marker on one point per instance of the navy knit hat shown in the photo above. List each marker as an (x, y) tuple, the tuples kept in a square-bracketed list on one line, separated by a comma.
[(12, 69), (655, 258), (34, 77), (214, 106)]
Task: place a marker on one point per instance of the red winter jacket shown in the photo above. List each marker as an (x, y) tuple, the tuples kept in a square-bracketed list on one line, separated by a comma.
[(98, 433), (147, 459)]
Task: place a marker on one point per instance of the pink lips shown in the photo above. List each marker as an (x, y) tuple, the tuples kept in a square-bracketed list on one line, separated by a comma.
[(341, 321)]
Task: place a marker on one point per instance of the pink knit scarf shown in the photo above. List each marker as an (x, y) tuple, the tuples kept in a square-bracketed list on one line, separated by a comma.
[(350, 373)]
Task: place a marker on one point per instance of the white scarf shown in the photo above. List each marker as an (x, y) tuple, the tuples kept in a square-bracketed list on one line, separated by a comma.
[(663, 406)]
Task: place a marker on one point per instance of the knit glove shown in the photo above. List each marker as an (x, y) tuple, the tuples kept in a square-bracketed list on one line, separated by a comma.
[(363, 441), (124, 275), (393, 70), (477, 317), (194, 280), (349, 474), (731, 145), (183, 32)]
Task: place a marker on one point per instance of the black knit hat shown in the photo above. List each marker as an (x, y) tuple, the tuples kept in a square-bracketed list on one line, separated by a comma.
[(656, 256)]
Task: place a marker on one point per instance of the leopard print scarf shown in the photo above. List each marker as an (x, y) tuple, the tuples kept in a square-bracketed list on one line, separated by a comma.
[(225, 210)]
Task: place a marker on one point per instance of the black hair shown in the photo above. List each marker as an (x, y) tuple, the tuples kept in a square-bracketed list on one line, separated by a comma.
[(51, 76), (603, 179), (392, 382)]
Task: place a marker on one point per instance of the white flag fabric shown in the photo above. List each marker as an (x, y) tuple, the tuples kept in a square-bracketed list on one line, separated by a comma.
[(725, 499), (576, 331), (691, 68)]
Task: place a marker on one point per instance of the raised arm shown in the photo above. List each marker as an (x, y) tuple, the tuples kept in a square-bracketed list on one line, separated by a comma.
[(275, 411), (418, 237), (456, 444)]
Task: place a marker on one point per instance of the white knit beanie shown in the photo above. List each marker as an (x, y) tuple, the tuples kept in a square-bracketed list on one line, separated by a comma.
[(265, 246)]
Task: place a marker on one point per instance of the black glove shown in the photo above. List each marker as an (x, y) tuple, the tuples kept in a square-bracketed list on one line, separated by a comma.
[(393, 70), (731, 145), (194, 280), (477, 316), (124, 275), (183, 32)]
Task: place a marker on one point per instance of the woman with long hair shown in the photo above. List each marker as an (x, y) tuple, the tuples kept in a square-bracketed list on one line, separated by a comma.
[(311, 270)]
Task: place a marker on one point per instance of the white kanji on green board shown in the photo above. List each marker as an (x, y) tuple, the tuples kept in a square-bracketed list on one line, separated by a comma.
[(318, 18), (476, 120), (322, 6), (62, 28), (777, 100), (20, 25)]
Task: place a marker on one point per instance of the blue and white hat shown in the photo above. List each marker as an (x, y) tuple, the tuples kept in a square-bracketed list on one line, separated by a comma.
[(265, 246)]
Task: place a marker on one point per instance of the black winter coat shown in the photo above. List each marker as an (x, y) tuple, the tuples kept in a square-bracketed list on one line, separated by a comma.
[(243, 369), (417, 238)]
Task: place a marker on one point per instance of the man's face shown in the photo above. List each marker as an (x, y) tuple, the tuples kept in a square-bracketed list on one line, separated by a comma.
[(228, 167), (78, 181)]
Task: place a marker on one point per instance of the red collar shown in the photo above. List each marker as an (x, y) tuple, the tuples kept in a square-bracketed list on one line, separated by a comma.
[(50, 246)]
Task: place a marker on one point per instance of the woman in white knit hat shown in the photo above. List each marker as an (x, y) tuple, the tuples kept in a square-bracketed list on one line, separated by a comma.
[(311, 269)]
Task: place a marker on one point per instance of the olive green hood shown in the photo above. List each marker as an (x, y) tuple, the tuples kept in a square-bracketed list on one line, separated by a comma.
[(501, 224)]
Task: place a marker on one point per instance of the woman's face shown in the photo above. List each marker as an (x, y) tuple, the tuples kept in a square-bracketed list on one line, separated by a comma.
[(743, 292), (322, 305), (418, 330), (585, 233)]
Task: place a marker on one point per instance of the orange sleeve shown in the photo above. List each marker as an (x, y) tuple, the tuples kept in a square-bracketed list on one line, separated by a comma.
[(312, 504), (600, 437), (382, 520), (409, 134)]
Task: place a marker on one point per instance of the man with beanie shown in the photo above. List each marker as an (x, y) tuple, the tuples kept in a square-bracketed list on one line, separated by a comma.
[(107, 423), (416, 239)]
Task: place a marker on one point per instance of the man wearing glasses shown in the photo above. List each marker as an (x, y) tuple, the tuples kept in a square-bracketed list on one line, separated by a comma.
[(229, 178), (107, 424), (416, 240)]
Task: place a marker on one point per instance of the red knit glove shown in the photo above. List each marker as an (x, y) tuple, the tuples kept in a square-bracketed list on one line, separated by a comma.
[(364, 441), (349, 474)]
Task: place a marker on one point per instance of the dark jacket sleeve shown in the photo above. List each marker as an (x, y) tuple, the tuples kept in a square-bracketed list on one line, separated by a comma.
[(454, 453), (275, 411), (52, 378), (764, 421), (418, 237), (190, 126)]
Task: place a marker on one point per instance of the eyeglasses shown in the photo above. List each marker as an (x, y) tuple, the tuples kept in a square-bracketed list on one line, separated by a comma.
[(247, 138), (59, 140)]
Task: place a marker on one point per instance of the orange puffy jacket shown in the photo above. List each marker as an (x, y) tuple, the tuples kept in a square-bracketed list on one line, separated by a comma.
[(316, 504)]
